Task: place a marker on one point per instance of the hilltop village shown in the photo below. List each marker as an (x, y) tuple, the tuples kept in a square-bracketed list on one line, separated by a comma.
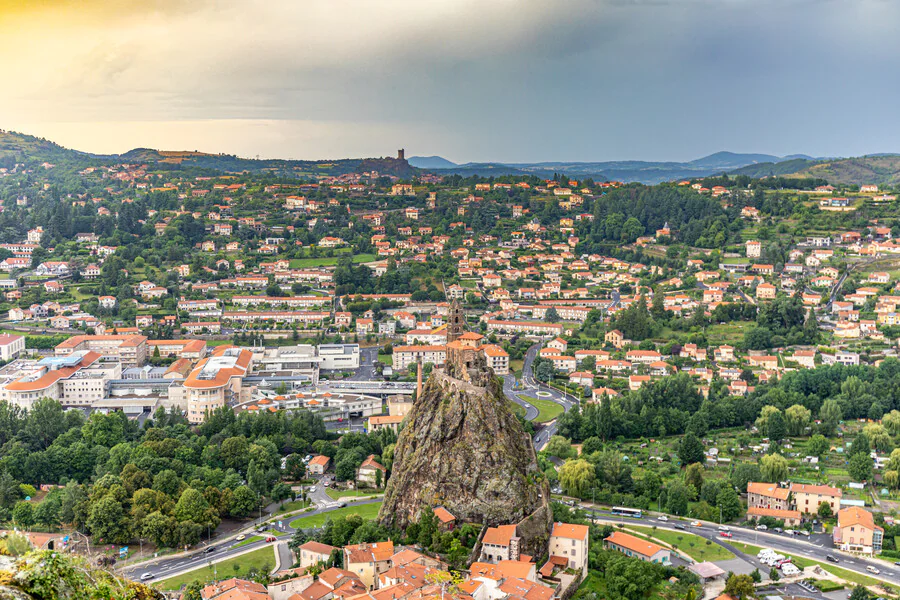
[(307, 383)]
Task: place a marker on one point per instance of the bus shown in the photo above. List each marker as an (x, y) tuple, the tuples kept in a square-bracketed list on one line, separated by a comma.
[(621, 511)]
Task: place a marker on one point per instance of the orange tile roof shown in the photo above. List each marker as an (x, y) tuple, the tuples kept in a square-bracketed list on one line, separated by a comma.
[(570, 531), (51, 377), (444, 515), (855, 515), (499, 536), (769, 490), (319, 460), (629, 542), (822, 490)]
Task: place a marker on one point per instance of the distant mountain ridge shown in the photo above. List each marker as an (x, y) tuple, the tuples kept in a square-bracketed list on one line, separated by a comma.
[(18, 146), (648, 172)]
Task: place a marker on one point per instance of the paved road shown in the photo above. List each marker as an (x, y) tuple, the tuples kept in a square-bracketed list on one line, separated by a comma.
[(530, 387), (167, 567), (816, 549)]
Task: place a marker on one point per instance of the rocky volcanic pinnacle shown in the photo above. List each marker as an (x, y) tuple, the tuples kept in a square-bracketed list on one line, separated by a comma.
[(464, 449)]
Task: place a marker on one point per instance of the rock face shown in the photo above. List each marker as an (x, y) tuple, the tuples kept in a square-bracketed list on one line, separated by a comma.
[(464, 449)]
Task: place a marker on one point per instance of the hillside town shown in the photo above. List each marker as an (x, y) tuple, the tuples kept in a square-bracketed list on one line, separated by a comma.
[(222, 367)]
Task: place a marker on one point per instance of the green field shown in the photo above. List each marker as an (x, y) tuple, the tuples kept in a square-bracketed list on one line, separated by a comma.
[(802, 563), (328, 261), (547, 409), (516, 366), (517, 409), (250, 540), (699, 551), (387, 359), (366, 511), (342, 493), (292, 506), (258, 559)]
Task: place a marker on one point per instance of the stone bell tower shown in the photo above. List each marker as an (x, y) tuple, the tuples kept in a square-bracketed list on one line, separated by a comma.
[(456, 322)]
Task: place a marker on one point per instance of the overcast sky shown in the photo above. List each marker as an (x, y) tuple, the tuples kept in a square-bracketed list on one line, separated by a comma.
[(470, 80)]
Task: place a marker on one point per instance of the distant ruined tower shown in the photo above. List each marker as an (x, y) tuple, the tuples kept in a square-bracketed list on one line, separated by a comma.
[(401, 154), (456, 323)]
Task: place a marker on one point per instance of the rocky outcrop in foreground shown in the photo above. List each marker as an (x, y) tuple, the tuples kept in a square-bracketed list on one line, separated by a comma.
[(48, 575), (462, 448)]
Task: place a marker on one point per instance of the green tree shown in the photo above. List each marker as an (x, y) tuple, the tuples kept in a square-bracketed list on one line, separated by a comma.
[(243, 502), (777, 430), (23, 514), (677, 497), (824, 511), (740, 587), (797, 419), (559, 447), (108, 521), (729, 503), (576, 476), (860, 593), (690, 450), (629, 578), (773, 468), (818, 445), (860, 467), (192, 506), (693, 476), (830, 414)]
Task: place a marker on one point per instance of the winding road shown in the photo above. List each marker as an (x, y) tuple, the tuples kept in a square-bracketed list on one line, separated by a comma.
[(531, 386), (165, 567), (815, 549)]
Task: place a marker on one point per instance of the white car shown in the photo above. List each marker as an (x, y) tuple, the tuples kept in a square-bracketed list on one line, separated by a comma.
[(312, 490), (663, 518), (724, 528), (788, 569), (872, 569), (146, 576), (761, 528)]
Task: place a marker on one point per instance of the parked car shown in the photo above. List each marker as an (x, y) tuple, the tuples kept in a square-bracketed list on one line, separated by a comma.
[(779, 530), (831, 558), (725, 534)]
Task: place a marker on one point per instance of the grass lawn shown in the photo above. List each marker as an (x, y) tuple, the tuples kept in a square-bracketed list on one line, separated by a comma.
[(258, 559), (387, 359), (342, 493), (366, 511), (851, 576), (292, 506), (547, 410), (517, 409), (219, 342), (250, 540), (516, 367), (328, 261), (730, 333), (699, 551)]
